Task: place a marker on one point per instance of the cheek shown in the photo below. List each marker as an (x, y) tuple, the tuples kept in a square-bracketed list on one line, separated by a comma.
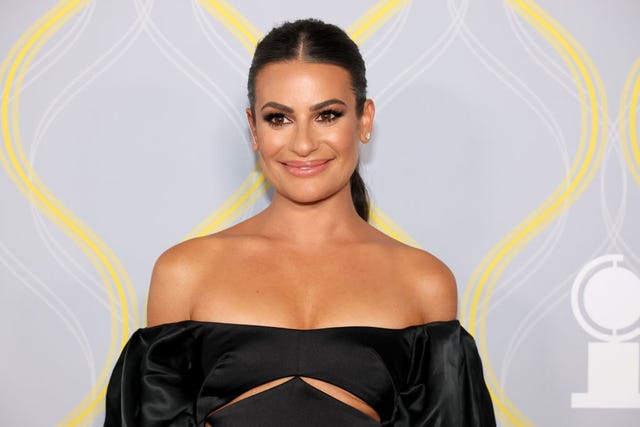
[(343, 134), (270, 141), (345, 140)]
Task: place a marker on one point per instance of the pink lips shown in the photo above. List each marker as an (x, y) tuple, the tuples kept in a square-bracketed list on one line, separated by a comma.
[(306, 168)]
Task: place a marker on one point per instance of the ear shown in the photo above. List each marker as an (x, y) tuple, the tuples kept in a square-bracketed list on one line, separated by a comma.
[(366, 120), (252, 128)]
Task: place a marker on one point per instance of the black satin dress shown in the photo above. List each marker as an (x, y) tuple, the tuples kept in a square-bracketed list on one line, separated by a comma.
[(178, 374)]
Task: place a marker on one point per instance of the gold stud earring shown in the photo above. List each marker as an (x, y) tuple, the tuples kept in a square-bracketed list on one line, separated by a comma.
[(367, 136)]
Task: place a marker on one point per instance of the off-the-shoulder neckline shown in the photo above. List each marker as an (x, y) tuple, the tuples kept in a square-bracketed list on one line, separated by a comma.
[(453, 322)]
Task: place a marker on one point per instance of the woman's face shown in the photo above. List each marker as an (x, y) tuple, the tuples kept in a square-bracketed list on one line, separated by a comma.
[(306, 130)]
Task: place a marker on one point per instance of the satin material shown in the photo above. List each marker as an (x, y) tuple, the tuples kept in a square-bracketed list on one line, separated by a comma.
[(313, 408), (179, 374)]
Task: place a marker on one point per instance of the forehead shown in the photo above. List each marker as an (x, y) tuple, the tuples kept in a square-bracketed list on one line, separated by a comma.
[(291, 82)]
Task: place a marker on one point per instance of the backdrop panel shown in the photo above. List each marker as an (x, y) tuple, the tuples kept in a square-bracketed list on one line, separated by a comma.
[(505, 143)]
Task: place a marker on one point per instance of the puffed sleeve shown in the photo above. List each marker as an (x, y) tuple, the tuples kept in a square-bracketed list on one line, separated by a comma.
[(446, 387), (155, 381)]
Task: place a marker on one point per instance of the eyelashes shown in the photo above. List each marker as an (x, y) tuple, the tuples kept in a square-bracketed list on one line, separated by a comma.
[(329, 116), (325, 117), (276, 120)]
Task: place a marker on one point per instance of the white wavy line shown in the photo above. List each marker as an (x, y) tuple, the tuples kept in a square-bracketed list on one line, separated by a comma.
[(504, 75), (545, 114), (570, 90), (68, 264), (516, 21), (55, 303), (614, 225), (535, 314), (521, 91), (424, 61), (626, 177), (60, 102), (535, 52), (545, 304), (194, 73), (536, 261), (52, 111), (82, 22), (611, 242), (530, 267), (63, 43), (240, 65), (388, 38), (97, 67)]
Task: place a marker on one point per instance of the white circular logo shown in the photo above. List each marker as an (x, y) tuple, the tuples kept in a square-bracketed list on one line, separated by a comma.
[(608, 298)]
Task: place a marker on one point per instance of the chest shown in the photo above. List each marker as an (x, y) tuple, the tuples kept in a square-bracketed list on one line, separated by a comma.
[(306, 290)]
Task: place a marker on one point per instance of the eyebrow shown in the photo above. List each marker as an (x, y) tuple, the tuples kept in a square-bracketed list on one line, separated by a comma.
[(277, 106), (315, 107), (326, 103)]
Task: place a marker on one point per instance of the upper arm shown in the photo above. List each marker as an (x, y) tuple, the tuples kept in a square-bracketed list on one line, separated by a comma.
[(435, 286), (171, 287)]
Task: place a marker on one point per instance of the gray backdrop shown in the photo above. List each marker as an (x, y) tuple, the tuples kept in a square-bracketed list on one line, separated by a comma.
[(505, 143)]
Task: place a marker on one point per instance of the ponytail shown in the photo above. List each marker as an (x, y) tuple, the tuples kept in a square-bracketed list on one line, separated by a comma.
[(359, 195)]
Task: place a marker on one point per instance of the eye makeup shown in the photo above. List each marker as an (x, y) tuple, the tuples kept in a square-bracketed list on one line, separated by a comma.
[(329, 116), (276, 119)]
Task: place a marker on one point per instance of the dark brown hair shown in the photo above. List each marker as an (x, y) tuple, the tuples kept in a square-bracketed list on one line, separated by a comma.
[(312, 40)]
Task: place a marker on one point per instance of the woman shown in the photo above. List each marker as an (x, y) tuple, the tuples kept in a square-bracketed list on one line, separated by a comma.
[(303, 314)]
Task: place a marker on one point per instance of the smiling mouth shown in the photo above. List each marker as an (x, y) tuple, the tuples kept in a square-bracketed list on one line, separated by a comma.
[(306, 168)]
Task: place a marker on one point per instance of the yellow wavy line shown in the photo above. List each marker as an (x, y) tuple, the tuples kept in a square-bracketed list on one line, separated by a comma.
[(359, 31), (578, 178), (373, 19), (631, 97), (14, 161), (250, 190), (575, 165), (502, 254), (512, 253), (501, 264), (3, 69), (21, 71), (385, 224), (235, 22), (253, 187)]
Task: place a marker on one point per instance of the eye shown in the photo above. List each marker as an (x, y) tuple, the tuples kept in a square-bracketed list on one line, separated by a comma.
[(328, 116), (276, 120)]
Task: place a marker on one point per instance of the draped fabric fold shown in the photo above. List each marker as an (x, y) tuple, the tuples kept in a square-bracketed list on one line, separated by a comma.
[(178, 374), (446, 386), (154, 383)]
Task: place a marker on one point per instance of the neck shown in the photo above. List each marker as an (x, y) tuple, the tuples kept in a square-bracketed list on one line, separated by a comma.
[(329, 221)]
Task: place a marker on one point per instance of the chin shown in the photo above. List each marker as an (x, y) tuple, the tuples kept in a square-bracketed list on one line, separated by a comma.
[(312, 195), (308, 199)]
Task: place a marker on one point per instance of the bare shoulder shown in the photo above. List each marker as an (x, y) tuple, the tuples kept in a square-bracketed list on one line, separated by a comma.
[(176, 276), (430, 282)]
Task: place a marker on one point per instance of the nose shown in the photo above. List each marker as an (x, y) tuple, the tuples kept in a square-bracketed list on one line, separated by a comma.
[(303, 142)]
